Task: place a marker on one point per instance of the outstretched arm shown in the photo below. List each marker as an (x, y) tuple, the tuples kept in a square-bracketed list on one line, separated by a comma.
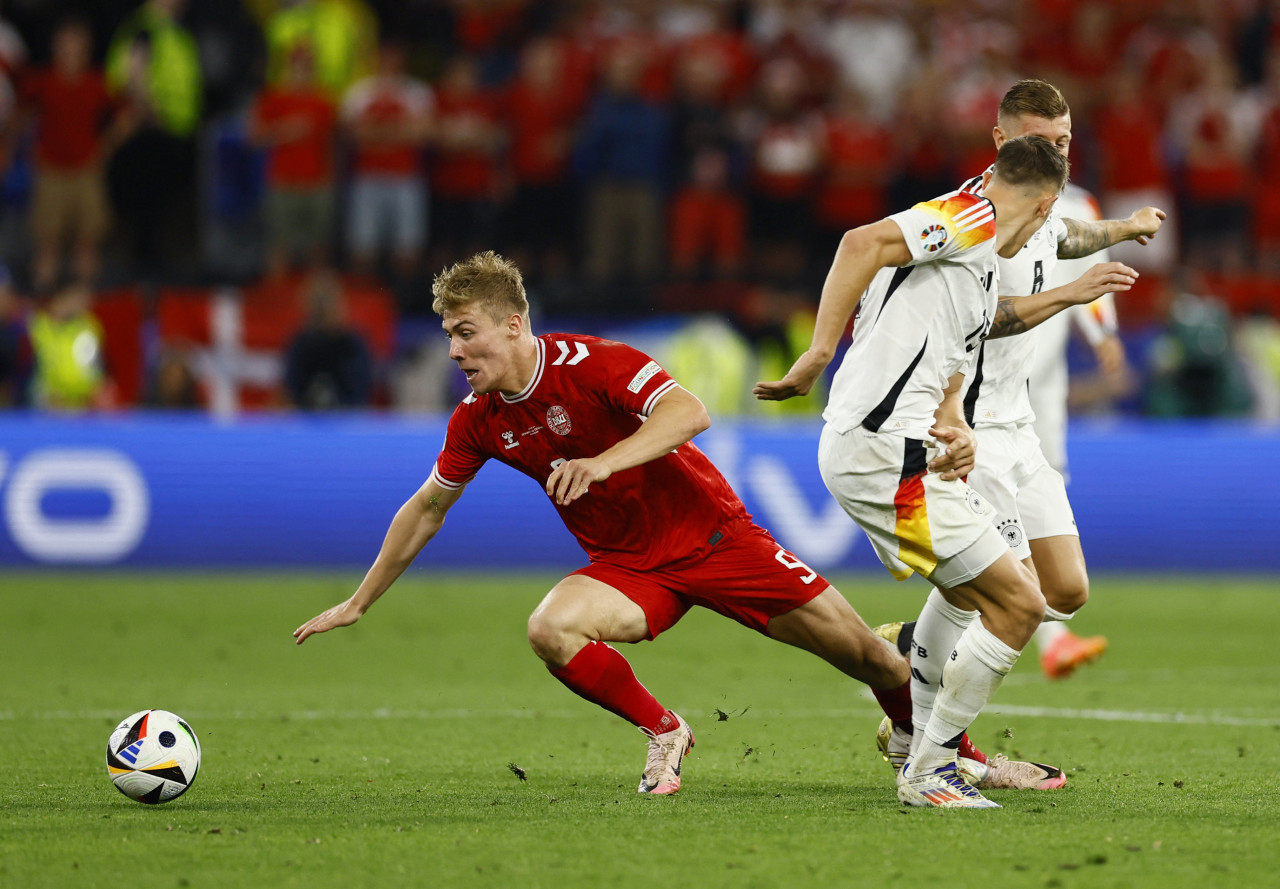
[(1086, 238), (677, 417), (862, 252), (1017, 314), (415, 523)]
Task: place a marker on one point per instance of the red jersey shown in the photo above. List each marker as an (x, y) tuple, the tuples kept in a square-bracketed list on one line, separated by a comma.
[(1129, 137), (586, 395), (307, 161), (387, 100), (73, 112), (465, 172), (541, 132)]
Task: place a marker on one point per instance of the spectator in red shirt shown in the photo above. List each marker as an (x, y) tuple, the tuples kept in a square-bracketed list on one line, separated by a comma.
[(859, 166), (1133, 170), (389, 118), (469, 138), (295, 123), (541, 114), (707, 219), (1209, 131), (72, 111), (1266, 176), (708, 216), (786, 145), (724, 46)]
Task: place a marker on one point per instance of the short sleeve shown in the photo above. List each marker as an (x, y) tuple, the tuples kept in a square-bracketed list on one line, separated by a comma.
[(946, 227), (459, 459)]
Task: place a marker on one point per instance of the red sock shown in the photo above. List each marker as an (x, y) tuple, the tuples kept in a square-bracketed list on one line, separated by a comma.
[(602, 675), (968, 751), (896, 703)]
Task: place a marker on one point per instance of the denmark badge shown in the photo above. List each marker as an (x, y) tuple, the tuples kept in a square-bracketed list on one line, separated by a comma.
[(558, 420)]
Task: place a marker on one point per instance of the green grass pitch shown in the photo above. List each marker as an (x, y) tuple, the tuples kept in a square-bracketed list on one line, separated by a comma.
[(382, 755)]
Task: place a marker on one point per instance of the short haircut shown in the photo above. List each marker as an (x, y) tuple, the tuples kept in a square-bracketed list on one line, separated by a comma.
[(1032, 161), (1031, 98), (486, 280)]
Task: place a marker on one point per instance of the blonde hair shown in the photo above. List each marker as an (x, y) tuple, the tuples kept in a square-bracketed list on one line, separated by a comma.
[(487, 280), (1031, 98)]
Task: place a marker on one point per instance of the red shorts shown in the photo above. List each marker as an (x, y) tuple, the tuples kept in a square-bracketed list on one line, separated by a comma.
[(747, 577)]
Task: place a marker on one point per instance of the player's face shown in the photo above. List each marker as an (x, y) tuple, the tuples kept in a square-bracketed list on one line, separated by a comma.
[(484, 350), (1056, 130)]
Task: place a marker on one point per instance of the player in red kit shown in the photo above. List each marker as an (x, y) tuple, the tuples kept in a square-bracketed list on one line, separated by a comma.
[(608, 433)]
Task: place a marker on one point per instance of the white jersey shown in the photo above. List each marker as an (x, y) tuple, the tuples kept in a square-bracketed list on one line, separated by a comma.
[(997, 388), (920, 324)]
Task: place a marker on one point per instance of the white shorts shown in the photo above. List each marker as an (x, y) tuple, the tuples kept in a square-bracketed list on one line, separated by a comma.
[(1028, 495), (916, 522)]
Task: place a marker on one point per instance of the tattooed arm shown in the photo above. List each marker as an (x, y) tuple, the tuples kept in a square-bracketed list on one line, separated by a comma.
[(1085, 238), (1018, 314)]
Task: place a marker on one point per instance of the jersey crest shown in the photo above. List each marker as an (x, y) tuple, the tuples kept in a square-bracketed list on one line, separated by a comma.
[(558, 420)]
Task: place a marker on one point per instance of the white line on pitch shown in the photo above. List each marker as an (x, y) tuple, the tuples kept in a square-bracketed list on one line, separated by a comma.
[(856, 712), (1131, 715)]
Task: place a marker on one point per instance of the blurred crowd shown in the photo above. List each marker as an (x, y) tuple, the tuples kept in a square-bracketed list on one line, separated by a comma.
[(633, 156)]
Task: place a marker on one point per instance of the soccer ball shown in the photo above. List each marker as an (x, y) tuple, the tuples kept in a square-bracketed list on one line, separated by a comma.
[(153, 756)]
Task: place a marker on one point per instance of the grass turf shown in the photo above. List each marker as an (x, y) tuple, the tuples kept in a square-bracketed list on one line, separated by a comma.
[(385, 754)]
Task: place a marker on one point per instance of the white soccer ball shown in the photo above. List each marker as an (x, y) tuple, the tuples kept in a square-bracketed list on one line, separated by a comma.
[(153, 756)]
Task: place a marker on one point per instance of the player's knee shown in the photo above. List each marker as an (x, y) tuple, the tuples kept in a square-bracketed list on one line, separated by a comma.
[(1067, 595), (550, 637)]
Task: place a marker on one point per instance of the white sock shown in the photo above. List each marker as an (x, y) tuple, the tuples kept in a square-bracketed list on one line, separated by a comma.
[(1048, 632), (969, 680), (938, 628), (1051, 628)]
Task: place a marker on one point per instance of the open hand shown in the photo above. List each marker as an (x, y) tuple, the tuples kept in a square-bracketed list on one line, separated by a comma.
[(1105, 277), (342, 615), (798, 381)]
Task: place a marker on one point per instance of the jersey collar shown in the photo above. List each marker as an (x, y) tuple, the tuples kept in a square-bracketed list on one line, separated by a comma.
[(534, 380)]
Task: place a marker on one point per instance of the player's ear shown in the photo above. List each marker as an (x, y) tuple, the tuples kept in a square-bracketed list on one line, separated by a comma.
[(986, 180), (998, 135), (515, 324), (1046, 204)]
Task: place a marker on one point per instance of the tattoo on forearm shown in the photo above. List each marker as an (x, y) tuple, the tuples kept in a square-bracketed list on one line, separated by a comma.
[(1007, 321), (1086, 238)]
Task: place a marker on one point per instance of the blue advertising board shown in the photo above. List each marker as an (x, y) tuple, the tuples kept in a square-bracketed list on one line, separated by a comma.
[(187, 491)]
